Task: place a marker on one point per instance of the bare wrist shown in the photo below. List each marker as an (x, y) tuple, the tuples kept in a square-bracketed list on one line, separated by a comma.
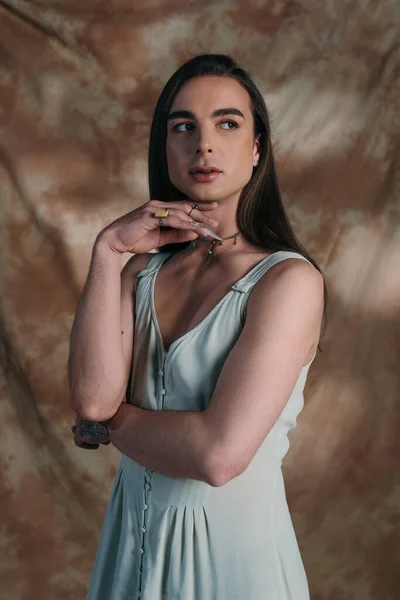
[(103, 250)]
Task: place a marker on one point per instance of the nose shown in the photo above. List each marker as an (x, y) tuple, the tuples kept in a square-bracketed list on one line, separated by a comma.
[(203, 143), (203, 149)]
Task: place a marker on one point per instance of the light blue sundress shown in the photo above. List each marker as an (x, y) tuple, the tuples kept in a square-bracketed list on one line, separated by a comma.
[(167, 538)]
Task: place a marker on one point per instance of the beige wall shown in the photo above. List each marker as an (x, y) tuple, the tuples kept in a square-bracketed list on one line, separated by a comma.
[(78, 85)]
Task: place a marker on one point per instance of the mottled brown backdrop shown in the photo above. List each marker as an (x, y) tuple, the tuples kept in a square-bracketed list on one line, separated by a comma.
[(78, 84)]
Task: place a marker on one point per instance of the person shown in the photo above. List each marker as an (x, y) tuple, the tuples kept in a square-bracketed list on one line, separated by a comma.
[(193, 358)]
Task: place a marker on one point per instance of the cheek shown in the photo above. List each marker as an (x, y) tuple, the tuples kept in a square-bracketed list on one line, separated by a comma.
[(174, 160), (240, 149), (241, 163), (171, 156), (241, 156)]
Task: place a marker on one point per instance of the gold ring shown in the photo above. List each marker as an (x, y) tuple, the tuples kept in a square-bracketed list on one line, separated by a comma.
[(162, 212)]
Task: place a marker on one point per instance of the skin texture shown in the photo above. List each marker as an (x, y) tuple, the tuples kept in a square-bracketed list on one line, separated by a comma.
[(226, 142), (288, 302)]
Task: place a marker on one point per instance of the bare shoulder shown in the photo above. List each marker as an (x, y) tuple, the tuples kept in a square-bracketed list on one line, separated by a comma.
[(136, 263), (292, 285), (292, 272)]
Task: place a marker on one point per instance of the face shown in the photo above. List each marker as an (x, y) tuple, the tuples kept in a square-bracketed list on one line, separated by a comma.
[(200, 133)]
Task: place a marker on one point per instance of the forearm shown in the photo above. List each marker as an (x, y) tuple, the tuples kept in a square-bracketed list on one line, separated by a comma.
[(96, 361), (173, 443)]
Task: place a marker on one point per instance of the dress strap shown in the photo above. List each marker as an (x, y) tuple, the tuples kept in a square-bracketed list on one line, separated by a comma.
[(247, 282), (243, 285), (154, 263)]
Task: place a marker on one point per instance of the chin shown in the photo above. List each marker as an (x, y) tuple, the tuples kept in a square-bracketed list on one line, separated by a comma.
[(201, 195), (207, 193), (212, 195), (205, 197)]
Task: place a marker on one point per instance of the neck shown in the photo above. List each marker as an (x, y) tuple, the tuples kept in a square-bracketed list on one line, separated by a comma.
[(225, 213), (213, 247)]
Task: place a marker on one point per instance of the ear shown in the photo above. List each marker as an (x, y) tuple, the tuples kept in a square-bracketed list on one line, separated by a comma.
[(256, 151)]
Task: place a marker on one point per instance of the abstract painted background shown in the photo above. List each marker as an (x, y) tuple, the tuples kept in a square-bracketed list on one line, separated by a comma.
[(78, 85)]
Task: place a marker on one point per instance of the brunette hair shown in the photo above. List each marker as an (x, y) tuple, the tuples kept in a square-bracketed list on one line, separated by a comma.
[(261, 216)]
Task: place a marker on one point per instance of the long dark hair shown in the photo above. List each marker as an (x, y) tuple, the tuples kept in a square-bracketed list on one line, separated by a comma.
[(261, 216)]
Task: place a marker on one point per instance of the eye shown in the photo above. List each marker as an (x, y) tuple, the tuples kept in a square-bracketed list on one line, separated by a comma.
[(176, 127), (235, 125)]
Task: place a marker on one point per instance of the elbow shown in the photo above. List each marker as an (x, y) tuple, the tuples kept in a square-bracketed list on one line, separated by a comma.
[(218, 479), (95, 412), (95, 415), (98, 401), (220, 469)]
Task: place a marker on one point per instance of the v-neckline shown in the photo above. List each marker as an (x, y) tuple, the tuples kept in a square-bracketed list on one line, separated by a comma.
[(212, 311)]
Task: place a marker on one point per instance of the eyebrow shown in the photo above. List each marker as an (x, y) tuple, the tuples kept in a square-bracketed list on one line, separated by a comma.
[(220, 112)]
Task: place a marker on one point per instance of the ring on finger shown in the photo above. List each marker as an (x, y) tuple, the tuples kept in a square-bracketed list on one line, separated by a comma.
[(162, 212), (193, 207)]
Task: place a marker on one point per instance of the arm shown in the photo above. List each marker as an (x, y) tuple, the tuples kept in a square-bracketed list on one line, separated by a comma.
[(102, 335), (173, 443), (282, 327), (252, 390)]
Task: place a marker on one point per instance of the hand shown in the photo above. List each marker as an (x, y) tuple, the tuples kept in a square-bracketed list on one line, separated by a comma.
[(90, 434), (139, 231)]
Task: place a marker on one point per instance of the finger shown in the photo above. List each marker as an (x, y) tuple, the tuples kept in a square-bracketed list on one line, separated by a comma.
[(177, 236), (86, 445), (88, 439), (185, 205), (175, 222), (92, 432), (197, 215), (182, 232), (187, 208), (181, 212), (90, 446)]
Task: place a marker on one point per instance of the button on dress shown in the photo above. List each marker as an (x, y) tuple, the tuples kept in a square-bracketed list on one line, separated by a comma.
[(168, 538)]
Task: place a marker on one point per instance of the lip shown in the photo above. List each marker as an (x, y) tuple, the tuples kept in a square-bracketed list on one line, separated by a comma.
[(202, 168), (204, 177)]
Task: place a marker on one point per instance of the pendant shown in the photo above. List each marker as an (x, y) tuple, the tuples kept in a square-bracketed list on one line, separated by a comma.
[(212, 245), (193, 243)]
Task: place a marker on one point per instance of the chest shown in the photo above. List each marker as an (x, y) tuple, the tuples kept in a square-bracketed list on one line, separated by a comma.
[(181, 306)]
